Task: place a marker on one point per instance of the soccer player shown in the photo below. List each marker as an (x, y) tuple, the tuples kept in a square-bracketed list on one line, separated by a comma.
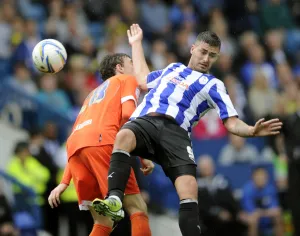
[(90, 145), (161, 125)]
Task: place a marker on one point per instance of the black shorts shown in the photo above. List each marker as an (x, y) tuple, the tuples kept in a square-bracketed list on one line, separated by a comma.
[(163, 141)]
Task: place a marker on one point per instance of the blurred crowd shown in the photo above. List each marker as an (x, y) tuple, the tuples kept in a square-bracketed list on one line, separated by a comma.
[(259, 64)]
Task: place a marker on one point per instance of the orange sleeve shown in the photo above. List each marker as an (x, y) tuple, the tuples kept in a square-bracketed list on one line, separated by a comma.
[(130, 90), (67, 176), (128, 108)]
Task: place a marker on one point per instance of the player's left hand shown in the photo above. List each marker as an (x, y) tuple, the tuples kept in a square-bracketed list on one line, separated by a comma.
[(266, 128), (54, 196), (135, 34), (147, 166)]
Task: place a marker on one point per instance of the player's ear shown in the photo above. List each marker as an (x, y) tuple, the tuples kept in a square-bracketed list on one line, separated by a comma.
[(192, 48), (119, 69)]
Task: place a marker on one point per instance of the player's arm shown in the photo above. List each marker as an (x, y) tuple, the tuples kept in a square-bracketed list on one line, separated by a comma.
[(54, 196), (129, 97), (261, 128), (146, 80), (67, 176), (222, 103), (135, 37), (128, 108)]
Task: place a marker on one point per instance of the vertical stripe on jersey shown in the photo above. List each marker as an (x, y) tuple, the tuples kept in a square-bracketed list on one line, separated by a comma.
[(226, 99), (194, 108), (166, 100), (201, 110), (217, 99), (185, 102), (149, 101)]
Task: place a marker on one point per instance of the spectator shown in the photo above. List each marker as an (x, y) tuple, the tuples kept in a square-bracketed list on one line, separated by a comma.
[(7, 227), (22, 80), (262, 97), (51, 143), (29, 172), (38, 151), (158, 54), (50, 94), (23, 51), (218, 209), (260, 202), (274, 41), (256, 61), (282, 21), (288, 147), (154, 18), (220, 27), (284, 74), (180, 12), (237, 151), (289, 97), (237, 95)]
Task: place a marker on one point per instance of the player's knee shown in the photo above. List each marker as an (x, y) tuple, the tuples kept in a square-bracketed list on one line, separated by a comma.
[(186, 186), (134, 203), (125, 140)]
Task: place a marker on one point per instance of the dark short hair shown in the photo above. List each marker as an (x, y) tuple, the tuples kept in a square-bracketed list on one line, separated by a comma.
[(209, 37), (21, 146), (258, 167), (108, 64)]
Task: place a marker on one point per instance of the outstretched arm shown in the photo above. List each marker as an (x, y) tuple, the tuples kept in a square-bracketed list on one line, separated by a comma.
[(262, 128), (135, 37)]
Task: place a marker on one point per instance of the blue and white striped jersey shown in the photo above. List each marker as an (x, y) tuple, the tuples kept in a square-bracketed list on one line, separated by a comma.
[(185, 95)]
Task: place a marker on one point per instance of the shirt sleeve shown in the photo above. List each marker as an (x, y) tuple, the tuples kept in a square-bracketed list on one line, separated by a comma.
[(67, 176), (153, 78), (130, 90), (221, 101)]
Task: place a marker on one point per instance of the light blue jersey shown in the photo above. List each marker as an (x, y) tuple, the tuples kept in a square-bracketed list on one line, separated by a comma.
[(185, 95)]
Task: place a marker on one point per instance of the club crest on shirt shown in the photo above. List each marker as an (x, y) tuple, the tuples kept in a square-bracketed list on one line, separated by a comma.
[(203, 80)]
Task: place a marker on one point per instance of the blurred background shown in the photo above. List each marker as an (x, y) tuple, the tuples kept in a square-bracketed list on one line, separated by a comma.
[(246, 186)]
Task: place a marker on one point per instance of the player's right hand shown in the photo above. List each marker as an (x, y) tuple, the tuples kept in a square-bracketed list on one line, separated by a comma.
[(147, 166), (135, 34), (54, 196)]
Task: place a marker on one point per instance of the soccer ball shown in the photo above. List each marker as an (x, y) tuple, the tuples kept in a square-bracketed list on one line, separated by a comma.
[(49, 56)]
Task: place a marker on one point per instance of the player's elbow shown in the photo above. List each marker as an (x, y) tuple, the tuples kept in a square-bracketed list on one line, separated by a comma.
[(230, 123), (125, 117)]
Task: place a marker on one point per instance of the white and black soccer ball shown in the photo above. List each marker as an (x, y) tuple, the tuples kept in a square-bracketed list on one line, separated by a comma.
[(49, 56)]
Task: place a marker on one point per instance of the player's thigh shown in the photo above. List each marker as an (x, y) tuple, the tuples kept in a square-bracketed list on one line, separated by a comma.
[(144, 135), (177, 159), (175, 147), (84, 181)]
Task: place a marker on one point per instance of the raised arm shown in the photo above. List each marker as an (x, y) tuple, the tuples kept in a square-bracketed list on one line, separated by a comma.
[(135, 37)]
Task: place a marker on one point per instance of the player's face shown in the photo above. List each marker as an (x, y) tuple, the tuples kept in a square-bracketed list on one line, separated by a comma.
[(127, 66), (203, 57)]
